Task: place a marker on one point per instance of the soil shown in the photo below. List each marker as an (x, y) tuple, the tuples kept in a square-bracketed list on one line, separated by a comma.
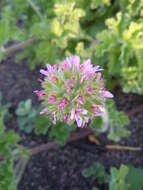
[(60, 169)]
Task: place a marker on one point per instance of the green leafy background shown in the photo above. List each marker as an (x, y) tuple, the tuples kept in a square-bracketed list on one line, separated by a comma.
[(110, 33)]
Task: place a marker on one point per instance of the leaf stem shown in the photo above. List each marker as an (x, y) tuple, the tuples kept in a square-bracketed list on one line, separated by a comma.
[(125, 148), (77, 136), (18, 46), (51, 145), (20, 167), (35, 8)]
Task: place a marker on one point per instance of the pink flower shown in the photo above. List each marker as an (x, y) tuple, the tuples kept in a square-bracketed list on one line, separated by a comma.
[(55, 67), (89, 89), (65, 117), (107, 94), (98, 110), (45, 110), (54, 120), (72, 82), (65, 66), (53, 78), (39, 93), (74, 61), (75, 114), (68, 88), (88, 70), (62, 104), (83, 111), (99, 76), (78, 120), (97, 69), (80, 100), (71, 90), (50, 69), (44, 72), (52, 99)]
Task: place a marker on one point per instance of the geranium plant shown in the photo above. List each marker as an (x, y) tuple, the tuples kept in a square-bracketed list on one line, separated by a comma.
[(73, 91)]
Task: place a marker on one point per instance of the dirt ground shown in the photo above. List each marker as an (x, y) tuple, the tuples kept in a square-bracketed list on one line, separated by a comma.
[(60, 169)]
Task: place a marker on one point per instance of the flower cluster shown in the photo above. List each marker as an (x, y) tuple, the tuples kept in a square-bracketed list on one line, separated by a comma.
[(73, 91)]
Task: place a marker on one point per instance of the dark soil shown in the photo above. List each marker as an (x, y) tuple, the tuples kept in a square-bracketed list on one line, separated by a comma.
[(60, 169)]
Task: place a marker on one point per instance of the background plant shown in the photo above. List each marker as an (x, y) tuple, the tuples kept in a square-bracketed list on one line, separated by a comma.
[(113, 121), (125, 178), (109, 32), (26, 115), (30, 120), (13, 157)]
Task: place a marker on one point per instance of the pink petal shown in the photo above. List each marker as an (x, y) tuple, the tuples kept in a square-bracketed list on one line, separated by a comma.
[(98, 110), (55, 67), (52, 99), (98, 76), (107, 94), (49, 68), (44, 111), (54, 120), (39, 93), (76, 61), (84, 111), (42, 71), (78, 120), (97, 68), (72, 114), (87, 63)]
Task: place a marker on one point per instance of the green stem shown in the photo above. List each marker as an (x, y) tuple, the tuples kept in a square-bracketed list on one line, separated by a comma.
[(17, 47), (20, 167), (35, 8)]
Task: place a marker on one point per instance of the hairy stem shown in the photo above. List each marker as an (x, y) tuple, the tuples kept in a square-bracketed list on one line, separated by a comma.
[(20, 168), (18, 46), (35, 8), (52, 145), (119, 147)]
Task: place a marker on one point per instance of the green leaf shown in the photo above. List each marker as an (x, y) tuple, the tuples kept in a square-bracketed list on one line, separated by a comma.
[(114, 121), (126, 178), (22, 122), (118, 177), (12, 137), (97, 171), (32, 114), (61, 132), (117, 122), (134, 178), (56, 27), (42, 124), (26, 116), (41, 30), (28, 104), (20, 111)]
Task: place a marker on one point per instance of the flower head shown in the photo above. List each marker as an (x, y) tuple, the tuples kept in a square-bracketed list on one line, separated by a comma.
[(73, 91)]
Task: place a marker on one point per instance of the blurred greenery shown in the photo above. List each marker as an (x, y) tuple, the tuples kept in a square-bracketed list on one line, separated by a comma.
[(125, 178), (113, 121), (109, 32), (11, 154)]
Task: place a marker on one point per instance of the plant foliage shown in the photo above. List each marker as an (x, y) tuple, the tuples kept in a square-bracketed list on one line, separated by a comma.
[(13, 157), (113, 121), (30, 120), (26, 115), (109, 32), (124, 178)]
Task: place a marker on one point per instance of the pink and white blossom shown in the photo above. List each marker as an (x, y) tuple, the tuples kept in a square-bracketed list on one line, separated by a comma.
[(73, 92)]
